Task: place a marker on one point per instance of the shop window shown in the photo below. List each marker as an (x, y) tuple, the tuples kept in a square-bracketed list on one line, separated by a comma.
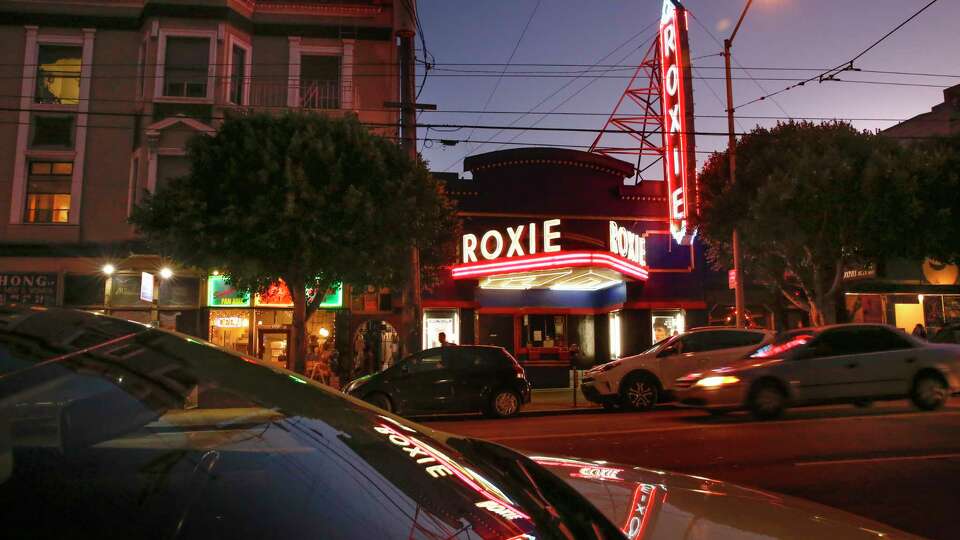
[(186, 64), (179, 292), (52, 131), (320, 82), (171, 167), (125, 290), (48, 192), (239, 57), (84, 290), (58, 74), (545, 331), (436, 321), (667, 323)]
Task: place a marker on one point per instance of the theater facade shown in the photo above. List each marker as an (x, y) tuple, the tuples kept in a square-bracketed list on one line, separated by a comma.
[(562, 263)]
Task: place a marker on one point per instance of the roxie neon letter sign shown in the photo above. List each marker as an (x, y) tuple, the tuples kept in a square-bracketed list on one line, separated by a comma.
[(628, 245), (492, 243), (677, 122)]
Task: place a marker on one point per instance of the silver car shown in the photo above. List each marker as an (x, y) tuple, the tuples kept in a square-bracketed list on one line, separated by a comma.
[(853, 363)]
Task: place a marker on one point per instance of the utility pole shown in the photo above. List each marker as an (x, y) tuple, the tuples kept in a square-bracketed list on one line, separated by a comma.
[(408, 133), (732, 157)]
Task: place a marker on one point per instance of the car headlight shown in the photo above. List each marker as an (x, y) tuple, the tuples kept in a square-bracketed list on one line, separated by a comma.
[(713, 382)]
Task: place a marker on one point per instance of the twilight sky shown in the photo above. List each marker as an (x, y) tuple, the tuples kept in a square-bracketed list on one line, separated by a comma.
[(796, 34)]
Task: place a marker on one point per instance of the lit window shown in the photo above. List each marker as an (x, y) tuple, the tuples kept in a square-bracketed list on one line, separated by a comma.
[(58, 74), (186, 62), (48, 192)]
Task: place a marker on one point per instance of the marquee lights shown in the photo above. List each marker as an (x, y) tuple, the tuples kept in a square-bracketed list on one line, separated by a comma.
[(545, 261), (677, 123)]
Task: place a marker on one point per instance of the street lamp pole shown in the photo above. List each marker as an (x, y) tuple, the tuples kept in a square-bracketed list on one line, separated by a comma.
[(732, 157)]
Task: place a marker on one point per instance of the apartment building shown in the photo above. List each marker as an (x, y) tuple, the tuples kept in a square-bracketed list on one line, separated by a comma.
[(98, 99)]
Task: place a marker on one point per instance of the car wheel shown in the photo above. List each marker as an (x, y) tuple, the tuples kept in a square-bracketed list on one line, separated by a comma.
[(380, 400), (639, 393), (929, 392), (504, 404), (767, 401)]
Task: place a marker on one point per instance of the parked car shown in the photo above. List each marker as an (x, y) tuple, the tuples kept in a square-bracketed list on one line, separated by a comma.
[(462, 378), (112, 429), (641, 381), (948, 334), (855, 363)]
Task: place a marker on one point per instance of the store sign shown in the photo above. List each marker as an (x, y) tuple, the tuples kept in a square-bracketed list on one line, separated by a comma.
[(146, 286), (494, 244), (28, 288), (628, 244), (231, 322), (677, 107), (220, 293), (278, 295)]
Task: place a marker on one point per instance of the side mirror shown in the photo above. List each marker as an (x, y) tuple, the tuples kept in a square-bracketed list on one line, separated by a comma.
[(669, 351)]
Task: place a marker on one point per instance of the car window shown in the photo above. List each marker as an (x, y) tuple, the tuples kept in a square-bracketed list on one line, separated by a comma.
[(857, 340), (430, 360), (701, 341), (730, 339), (950, 334)]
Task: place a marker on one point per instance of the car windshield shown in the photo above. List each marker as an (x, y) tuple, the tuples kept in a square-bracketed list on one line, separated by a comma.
[(115, 429)]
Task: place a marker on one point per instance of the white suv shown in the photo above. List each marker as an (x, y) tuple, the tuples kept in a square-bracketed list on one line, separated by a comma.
[(641, 381)]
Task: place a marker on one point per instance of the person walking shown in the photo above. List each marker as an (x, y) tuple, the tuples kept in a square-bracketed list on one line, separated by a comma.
[(442, 338)]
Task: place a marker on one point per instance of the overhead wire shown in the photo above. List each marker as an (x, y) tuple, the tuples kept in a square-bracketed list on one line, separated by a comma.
[(830, 74)]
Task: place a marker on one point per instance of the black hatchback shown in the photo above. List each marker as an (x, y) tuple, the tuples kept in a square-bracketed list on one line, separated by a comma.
[(462, 378)]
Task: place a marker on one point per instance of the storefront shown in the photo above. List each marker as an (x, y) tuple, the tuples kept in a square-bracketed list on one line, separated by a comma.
[(904, 294), (259, 324), (562, 264)]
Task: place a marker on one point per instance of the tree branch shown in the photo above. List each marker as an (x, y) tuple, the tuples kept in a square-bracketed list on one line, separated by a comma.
[(794, 301)]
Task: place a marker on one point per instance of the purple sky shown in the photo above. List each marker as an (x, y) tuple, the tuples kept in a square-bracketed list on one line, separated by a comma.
[(776, 33)]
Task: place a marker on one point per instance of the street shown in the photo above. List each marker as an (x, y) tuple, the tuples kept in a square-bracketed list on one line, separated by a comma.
[(889, 462)]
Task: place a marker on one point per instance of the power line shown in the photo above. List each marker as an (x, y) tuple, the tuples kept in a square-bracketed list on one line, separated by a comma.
[(510, 59), (830, 74), (568, 83)]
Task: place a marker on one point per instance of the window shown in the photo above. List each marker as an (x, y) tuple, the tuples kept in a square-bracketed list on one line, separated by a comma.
[(883, 339), (141, 68), (58, 74), (238, 74), (48, 192), (320, 82), (185, 66), (839, 342), (702, 341), (733, 339), (52, 131), (429, 360), (170, 167)]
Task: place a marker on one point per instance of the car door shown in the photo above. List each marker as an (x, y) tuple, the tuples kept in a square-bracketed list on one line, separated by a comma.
[(470, 373), (831, 367), (425, 382), (681, 357), (887, 369)]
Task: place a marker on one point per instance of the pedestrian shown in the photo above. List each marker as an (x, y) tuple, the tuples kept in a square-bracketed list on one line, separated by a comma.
[(919, 331), (442, 338)]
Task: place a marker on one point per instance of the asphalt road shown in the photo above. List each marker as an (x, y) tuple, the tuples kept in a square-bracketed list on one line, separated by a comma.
[(889, 462)]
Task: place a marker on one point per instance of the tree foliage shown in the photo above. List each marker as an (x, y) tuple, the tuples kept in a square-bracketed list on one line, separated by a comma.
[(812, 200), (304, 198)]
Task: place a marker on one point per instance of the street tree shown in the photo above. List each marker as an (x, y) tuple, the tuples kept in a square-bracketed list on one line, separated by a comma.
[(810, 201), (303, 198)]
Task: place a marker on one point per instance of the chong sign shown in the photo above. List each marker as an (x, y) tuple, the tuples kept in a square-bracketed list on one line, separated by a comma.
[(677, 122)]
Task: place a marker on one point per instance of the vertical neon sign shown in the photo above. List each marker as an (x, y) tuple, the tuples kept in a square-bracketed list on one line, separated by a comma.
[(675, 93)]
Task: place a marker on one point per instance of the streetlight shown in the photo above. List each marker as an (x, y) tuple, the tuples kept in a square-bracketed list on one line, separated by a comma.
[(732, 155), (166, 273), (108, 269)]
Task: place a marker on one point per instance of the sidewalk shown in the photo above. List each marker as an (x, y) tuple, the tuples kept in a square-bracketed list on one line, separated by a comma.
[(548, 400)]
